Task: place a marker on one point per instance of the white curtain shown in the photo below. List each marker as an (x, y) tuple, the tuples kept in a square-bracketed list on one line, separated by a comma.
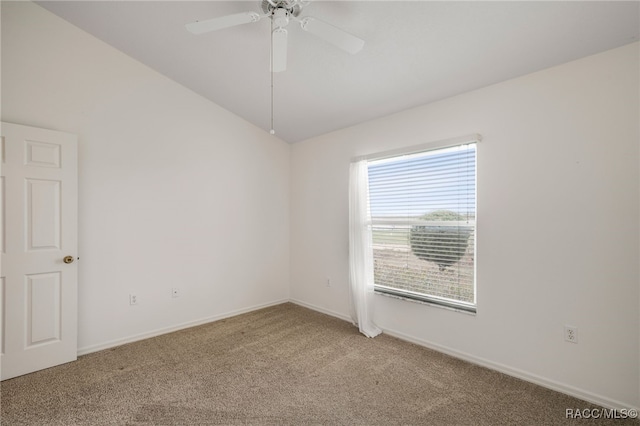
[(360, 251)]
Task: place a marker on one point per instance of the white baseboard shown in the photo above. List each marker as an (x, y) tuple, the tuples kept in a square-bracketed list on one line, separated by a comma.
[(514, 372), (117, 342), (322, 310)]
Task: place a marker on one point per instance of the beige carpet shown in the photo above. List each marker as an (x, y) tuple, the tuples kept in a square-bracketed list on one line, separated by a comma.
[(284, 365)]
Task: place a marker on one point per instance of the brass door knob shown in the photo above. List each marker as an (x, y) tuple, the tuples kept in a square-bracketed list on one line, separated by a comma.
[(68, 259)]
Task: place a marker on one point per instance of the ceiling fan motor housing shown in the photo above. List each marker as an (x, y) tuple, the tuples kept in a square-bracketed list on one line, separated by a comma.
[(280, 18), (290, 7)]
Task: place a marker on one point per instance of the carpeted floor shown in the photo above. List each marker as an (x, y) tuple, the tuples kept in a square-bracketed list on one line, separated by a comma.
[(283, 365)]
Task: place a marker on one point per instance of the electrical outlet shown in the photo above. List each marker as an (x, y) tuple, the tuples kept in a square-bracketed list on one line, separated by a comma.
[(133, 299), (328, 282), (571, 334), (175, 292)]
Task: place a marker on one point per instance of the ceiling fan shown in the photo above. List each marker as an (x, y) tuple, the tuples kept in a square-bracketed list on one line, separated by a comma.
[(281, 12)]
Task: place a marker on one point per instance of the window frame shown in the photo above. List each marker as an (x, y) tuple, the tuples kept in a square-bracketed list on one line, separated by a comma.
[(409, 295)]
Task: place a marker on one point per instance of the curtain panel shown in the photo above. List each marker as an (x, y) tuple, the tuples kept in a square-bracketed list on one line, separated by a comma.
[(360, 251)]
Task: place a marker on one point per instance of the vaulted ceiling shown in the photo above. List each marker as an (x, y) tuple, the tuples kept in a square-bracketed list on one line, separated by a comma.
[(415, 52)]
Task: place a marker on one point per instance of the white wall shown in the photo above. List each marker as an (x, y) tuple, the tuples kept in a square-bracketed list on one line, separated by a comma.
[(174, 191), (558, 209)]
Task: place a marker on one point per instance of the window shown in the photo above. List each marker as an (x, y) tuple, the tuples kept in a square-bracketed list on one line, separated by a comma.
[(423, 212)]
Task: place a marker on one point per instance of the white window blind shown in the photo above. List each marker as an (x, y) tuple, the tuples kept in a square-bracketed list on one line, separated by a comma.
[(423, 212)]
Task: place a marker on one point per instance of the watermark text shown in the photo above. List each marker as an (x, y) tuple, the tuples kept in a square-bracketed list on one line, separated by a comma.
[(600, 413)]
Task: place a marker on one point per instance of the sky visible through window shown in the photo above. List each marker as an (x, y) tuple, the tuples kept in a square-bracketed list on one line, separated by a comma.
[(413, 185)]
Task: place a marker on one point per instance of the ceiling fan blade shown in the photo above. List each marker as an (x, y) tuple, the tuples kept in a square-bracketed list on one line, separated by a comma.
[(333, 35), (214, 24), (279, 58)]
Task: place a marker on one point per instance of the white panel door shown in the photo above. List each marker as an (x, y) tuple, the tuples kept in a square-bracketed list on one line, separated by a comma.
[(38, 230)]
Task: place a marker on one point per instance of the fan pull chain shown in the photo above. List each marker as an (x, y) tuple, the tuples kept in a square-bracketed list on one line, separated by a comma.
[(272, 131)]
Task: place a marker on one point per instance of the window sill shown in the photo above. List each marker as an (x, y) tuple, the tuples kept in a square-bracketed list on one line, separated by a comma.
[(424, 300)]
